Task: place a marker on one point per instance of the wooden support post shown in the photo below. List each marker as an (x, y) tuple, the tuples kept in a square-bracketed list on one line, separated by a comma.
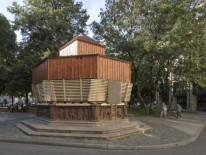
[(52, 83), (126, 91), (80, 81), (64, 90)]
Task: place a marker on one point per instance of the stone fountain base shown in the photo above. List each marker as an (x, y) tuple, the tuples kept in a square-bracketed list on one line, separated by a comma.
[(96, 121), (105, 130), (82, 112)]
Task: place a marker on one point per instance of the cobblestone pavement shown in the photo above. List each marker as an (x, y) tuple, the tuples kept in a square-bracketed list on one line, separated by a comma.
[(166, 131)]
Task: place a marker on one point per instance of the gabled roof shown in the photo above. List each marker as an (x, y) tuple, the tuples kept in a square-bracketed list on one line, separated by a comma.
[(82, 38)]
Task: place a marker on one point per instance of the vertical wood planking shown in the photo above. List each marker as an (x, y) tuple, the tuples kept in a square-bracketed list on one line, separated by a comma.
[(75, 67), (96, 66), (64, 90), (86, 48), (81, 63), (102, 67), (111, 75), (117, 70), (40, 72), (106, 69), (90, 70)]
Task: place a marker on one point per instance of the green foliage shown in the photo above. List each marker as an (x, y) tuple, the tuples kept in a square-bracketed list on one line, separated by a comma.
[(160, 38), (20, 76), (7, 50), (48, 24), (45, 26), (191, 64)]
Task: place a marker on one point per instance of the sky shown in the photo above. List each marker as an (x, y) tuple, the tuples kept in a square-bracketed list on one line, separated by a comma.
[(92, 6)]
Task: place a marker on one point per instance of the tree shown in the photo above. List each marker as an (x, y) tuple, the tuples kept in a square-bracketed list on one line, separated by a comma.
[(153, 36), (45, 26), (192, 64), (7, 50), (21, 81)]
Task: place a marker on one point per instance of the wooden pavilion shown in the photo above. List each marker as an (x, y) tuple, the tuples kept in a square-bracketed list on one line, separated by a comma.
[(82, 94), (82, 84)]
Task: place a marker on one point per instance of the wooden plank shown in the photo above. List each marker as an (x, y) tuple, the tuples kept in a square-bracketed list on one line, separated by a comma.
[(86, 48), (42, 68), (95, 90), (91, 66), (64, 90)]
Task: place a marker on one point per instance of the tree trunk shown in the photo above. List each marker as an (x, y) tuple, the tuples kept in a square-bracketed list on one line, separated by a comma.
[(27, 99), (151, 106), (143, 102), (12, 100)]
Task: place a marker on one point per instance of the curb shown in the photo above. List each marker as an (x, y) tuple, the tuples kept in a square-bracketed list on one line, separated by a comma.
[(109, 147)]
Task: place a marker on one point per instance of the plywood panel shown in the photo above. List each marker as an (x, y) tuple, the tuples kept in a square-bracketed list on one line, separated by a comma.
[(114, 92)]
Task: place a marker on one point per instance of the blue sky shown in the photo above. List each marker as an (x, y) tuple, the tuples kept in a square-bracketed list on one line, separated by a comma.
[(92, 6)]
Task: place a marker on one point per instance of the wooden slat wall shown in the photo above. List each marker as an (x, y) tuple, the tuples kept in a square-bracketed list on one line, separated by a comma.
[(73, 67), (126, 89), (82, 67), (82, 90), (86, 48), (113, 69), (98, 90), (40, 72)]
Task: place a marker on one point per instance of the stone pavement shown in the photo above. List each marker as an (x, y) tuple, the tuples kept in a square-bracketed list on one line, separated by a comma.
[(168, 132)]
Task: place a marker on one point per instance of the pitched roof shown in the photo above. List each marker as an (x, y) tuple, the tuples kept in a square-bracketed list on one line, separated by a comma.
[(82, 38)]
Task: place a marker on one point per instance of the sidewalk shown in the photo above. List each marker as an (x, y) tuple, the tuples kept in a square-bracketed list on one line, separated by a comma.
[(169, 132)]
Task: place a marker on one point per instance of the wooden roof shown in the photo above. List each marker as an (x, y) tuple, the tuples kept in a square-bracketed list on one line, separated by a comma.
[(82, 38)]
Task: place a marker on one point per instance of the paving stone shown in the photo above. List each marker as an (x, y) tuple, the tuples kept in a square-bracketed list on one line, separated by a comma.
[(165, 131)]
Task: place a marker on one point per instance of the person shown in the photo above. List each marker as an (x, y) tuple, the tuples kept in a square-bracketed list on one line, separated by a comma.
[(163, 110), (178, 111)]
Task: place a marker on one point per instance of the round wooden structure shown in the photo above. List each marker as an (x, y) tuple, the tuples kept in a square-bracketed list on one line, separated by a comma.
[(81, 84)]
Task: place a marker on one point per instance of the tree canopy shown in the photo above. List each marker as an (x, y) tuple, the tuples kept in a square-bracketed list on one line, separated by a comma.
[(7, 50), (45, 26), (162, 39)]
